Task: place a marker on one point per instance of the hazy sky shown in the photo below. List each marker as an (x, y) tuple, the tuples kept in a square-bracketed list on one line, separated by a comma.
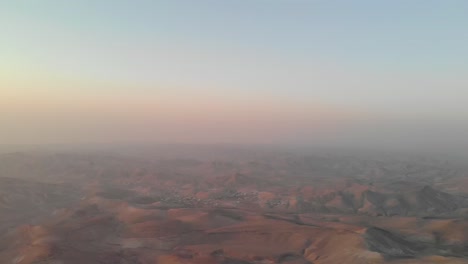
[(229, 71)]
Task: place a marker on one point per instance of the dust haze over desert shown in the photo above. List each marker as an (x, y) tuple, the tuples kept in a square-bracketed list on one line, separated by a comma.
[(233, 132)]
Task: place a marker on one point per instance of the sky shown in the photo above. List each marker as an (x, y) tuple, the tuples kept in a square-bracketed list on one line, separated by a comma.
[(233, 71)]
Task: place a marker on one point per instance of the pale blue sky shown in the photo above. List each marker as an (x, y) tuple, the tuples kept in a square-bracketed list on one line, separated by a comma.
[(394, 58)]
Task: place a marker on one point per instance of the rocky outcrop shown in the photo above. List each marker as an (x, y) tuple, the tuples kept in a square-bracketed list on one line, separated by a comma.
[(390, 245)]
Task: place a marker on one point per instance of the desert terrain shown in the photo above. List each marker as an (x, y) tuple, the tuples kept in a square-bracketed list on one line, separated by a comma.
[(230, 206)]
